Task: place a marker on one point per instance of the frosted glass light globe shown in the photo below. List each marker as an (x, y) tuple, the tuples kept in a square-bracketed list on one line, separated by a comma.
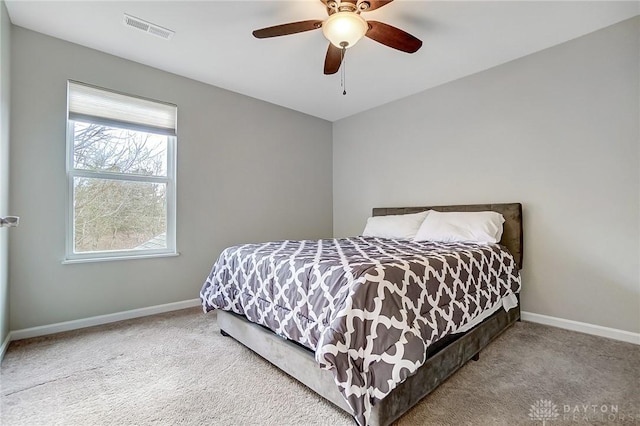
[(344, 27)]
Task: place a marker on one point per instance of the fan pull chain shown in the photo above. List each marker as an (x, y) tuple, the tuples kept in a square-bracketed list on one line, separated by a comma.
[(343, 71)]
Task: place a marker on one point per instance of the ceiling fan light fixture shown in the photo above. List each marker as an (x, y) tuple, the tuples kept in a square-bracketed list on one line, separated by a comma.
[(344, 29)]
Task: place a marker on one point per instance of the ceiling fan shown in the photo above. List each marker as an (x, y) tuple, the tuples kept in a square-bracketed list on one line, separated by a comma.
[(344, 27)]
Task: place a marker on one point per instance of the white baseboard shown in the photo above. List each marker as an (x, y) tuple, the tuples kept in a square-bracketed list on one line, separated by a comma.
[(582, 327), (101, 319), (611, 333)]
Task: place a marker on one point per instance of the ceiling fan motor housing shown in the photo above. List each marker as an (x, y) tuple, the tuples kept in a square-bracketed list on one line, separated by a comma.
[(347, 5)]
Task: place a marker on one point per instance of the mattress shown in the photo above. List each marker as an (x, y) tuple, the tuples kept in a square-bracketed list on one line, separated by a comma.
[(367, 307)]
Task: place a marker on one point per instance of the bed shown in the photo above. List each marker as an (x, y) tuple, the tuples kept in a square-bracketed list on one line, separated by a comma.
[(375, 363)]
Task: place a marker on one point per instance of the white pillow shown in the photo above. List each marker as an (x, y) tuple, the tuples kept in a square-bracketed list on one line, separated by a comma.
[(476, 227), (400, 226)]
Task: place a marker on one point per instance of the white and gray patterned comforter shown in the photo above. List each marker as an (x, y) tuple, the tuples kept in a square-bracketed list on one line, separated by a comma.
[(368, 307)]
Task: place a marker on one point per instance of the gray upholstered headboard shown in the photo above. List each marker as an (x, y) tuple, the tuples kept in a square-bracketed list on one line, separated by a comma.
[(512, 212)]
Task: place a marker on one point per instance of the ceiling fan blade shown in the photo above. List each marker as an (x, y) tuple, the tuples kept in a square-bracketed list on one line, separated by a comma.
[(330, 10), (393, 37), (326, 4), (286, 29), (333, 60), (376, 4)]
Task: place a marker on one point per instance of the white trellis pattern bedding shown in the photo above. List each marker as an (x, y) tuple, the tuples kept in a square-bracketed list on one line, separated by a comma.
[(368, 307)]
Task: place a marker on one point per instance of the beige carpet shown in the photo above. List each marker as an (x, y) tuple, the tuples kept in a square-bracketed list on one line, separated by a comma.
[(176, 369)]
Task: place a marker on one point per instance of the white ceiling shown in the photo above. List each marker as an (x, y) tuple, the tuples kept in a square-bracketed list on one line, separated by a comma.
[(213, 43)]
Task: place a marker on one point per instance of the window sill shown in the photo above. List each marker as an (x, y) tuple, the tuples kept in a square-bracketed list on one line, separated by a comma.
[(111, 258)]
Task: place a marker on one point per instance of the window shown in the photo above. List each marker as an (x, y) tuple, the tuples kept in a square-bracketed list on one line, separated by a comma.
[(121, 161)]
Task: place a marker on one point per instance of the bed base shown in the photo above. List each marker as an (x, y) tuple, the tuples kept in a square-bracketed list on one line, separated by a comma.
[(443, 359)]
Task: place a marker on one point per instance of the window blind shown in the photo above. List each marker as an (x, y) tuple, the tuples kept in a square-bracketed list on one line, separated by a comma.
[(110, 108)]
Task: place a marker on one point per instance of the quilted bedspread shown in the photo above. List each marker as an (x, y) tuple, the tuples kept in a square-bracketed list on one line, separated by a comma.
[(368, 307)]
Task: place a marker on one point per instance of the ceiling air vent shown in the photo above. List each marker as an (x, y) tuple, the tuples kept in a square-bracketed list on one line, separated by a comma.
[(148, 27)]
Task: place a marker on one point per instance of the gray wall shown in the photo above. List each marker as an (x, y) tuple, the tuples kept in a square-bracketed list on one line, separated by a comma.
[(247, 171), (5, 48), (558, 131)]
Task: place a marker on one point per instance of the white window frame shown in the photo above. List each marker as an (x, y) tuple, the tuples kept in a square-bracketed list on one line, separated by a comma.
[(169, 180)]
